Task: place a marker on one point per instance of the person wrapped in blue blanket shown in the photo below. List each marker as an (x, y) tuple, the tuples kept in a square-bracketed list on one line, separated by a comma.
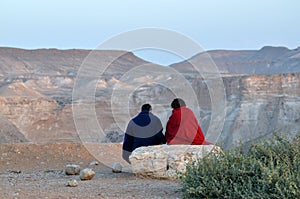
[(145, 129)]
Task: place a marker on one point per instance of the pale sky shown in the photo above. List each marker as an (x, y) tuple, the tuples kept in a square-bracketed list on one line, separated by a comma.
[(214, 24)]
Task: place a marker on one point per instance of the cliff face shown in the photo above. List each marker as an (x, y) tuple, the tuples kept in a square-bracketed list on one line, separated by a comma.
[(259, 105), (36, 95)]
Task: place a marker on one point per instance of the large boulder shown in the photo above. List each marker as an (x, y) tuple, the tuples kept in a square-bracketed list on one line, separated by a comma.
[(167, 161)]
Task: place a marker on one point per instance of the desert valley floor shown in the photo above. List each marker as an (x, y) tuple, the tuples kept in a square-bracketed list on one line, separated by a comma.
[(37, 171)]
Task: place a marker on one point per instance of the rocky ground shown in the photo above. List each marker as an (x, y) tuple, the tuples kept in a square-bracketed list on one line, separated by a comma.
[(37, 171)]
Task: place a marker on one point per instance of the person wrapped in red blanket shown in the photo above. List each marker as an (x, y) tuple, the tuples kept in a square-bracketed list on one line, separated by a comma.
[(183, 127)]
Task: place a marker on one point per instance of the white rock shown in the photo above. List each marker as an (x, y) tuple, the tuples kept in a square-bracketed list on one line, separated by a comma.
[(72, 183), (167, 161), (117, 168), (94, 163), (72, 169), (87, 174)]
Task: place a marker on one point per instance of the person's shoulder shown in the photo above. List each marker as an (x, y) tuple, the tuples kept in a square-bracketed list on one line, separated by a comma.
[(131, 122), (153, 116), (187, 110), (176, 111)]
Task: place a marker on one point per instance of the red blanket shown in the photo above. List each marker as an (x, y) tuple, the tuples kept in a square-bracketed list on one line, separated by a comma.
[(183, 128)]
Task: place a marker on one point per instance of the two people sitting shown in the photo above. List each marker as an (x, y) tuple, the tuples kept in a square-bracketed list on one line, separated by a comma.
[(146, 129)]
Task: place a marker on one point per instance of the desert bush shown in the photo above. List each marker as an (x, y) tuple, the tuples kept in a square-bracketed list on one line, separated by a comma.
[(270, 169)]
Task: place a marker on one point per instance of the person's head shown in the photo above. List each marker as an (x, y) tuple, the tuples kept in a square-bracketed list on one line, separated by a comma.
[(146, 107), (177, 103)]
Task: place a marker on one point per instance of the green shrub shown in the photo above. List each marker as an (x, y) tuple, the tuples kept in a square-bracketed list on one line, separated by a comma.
[(267, 170)]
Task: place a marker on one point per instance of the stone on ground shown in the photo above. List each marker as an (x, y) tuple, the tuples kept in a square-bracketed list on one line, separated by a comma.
[(93, 163), (72, 183), (72, 169), (87, 174), (117, 168)]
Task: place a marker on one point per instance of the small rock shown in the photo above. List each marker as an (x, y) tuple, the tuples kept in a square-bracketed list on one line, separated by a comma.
[(87, 174), (72, 183), (17, 151), (15, 194), (72, 169), (94, 163), (15, 171), (117, 168)]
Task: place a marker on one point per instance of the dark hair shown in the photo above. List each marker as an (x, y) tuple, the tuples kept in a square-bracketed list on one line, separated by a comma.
[(177, 103), (146, 107)]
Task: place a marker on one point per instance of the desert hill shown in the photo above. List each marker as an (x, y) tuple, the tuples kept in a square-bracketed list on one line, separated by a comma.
[(9, 133)]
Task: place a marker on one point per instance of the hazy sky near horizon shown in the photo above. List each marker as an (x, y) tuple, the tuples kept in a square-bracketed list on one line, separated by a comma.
[(214, 24)]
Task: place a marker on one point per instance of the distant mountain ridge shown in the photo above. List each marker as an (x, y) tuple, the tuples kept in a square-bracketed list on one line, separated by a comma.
[(14, 61), (267, 60)]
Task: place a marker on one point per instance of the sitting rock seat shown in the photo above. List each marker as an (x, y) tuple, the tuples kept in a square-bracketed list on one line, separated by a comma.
[(166, 161)]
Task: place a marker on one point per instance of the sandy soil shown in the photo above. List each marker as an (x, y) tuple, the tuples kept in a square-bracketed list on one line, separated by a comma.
[(37, 171)]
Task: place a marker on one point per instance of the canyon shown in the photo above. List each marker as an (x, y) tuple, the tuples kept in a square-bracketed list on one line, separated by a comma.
[(51, 95)]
